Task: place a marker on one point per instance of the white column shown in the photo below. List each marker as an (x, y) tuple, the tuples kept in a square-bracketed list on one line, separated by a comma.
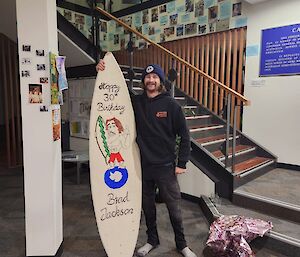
[(37, 27)]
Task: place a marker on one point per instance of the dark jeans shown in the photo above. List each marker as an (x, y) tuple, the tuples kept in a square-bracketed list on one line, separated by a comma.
[(165, 179)]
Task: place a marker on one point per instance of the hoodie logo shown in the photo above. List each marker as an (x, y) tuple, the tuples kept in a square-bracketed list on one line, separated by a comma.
[(162, 114)]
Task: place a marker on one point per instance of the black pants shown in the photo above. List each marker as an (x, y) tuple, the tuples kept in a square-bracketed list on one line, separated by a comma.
[(165, 179)]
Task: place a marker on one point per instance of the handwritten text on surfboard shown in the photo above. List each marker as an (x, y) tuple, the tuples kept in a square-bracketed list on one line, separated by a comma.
[(109, 102), (115, 207)]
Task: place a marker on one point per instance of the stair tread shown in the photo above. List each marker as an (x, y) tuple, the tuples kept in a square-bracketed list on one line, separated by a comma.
[(195, 117), (204, 126), (239, 148), (249, 164), (211, 139)]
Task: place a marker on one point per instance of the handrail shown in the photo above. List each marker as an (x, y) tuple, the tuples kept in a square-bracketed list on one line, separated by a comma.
[(213, 80)]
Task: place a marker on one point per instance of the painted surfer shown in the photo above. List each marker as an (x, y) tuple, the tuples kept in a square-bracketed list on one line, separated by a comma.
[(159, 119), (117, 138)]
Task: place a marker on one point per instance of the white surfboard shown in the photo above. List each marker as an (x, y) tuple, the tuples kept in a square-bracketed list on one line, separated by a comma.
[(114, 162)]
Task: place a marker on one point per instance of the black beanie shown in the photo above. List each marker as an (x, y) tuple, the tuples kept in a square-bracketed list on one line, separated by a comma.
[(154, 68)]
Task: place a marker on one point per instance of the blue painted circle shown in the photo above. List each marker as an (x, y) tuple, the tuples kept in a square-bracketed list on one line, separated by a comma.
[(112, 183)]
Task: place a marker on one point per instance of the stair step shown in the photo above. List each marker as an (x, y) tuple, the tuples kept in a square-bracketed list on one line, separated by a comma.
[(238, 150), (250, 164), (197, 117), (205, 127), (134, 80), (190, 107), (179, 97), (213, 139)]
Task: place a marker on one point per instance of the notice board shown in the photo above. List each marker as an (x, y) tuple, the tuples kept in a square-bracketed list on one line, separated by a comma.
[(280, 51)]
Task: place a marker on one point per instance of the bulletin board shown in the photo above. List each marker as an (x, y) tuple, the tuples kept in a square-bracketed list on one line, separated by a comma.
[(79, 105)]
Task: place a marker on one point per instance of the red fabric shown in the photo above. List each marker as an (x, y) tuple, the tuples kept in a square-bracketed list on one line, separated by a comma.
[(115, 156)]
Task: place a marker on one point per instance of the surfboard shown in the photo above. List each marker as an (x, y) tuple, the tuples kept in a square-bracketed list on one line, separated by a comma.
[(115, 169)]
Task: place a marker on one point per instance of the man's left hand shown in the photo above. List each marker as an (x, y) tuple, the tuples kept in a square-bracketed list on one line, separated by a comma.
[(179, 170)]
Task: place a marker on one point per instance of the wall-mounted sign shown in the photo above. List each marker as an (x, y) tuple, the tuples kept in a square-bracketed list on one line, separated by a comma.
[(280, 51)]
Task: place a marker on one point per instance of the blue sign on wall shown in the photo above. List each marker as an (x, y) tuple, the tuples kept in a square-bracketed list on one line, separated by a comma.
[(280, 51)]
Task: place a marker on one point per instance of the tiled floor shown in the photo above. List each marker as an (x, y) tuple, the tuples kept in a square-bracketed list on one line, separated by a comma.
[(80, 232)]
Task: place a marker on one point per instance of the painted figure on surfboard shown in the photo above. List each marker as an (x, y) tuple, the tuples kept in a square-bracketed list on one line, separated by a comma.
[(113, 138)]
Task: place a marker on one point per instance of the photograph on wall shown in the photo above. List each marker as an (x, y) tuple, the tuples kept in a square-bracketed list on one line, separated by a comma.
[(202, 29), (35, 94), (154, 14), (56, 124), (179, 31), (53, 80), (44, 80), (142, 45), (222, 25), (26, 60), (189, 5), (145, 17), (199, 8), (26, 48), (162, 37), (163, 20), (163, 8), (128, 20), (212, 27), (62, 76), (190, 29), (137, 19), (185, 18), (173, 19), (236, 9), (40, 52), (224, 10), (116, 39), (103, 26), (122, 44), (68, 15), (25, 73), (41, 67), (43, 108), (79, 19), (171, 7), (169, 31), (139, 29), (212, 14), (151, 30)]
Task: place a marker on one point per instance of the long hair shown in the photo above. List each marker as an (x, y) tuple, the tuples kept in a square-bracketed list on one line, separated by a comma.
[(161, 88), (117, 122)]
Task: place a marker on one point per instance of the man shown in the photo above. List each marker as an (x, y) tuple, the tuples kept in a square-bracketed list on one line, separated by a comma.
[(159, 119)]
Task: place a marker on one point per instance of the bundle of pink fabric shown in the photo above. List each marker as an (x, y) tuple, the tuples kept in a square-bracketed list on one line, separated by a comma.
[(229, 236)]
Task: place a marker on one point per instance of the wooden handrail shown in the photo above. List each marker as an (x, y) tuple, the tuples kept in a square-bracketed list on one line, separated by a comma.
[(213, 80)]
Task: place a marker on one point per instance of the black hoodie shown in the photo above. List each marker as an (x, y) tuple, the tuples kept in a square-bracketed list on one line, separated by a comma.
[(158, 121)]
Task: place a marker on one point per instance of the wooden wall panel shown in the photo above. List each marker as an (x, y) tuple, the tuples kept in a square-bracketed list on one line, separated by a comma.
[(9, 80), (220, 55)]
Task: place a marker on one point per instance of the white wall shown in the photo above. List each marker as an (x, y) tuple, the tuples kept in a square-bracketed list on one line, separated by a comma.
[(195, 183), (273, 118)]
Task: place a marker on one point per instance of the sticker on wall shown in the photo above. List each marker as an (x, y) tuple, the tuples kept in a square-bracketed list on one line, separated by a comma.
[(137, 19), (56, 124), (212, 27), (25, 73), (189, 5), (79, 19), (202, 29), (241, 22), (236, 9), (212, 14), (199, 8), (116, 39), (145, 17), (151, 30), (179, 31), (191, 28), (208, 3), (163, 8), (62, 76), (225, 10), (40, 52), (171, 7), (44, 108), (53, 80), (154, 14), (44, 80), (67, 14), (41, 67), (169, 31), (103, 26), (174, 19), (202, 19), (163, 20), (185, 18), (26, 60), (222, 25), (26, 48), (35, 93)]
